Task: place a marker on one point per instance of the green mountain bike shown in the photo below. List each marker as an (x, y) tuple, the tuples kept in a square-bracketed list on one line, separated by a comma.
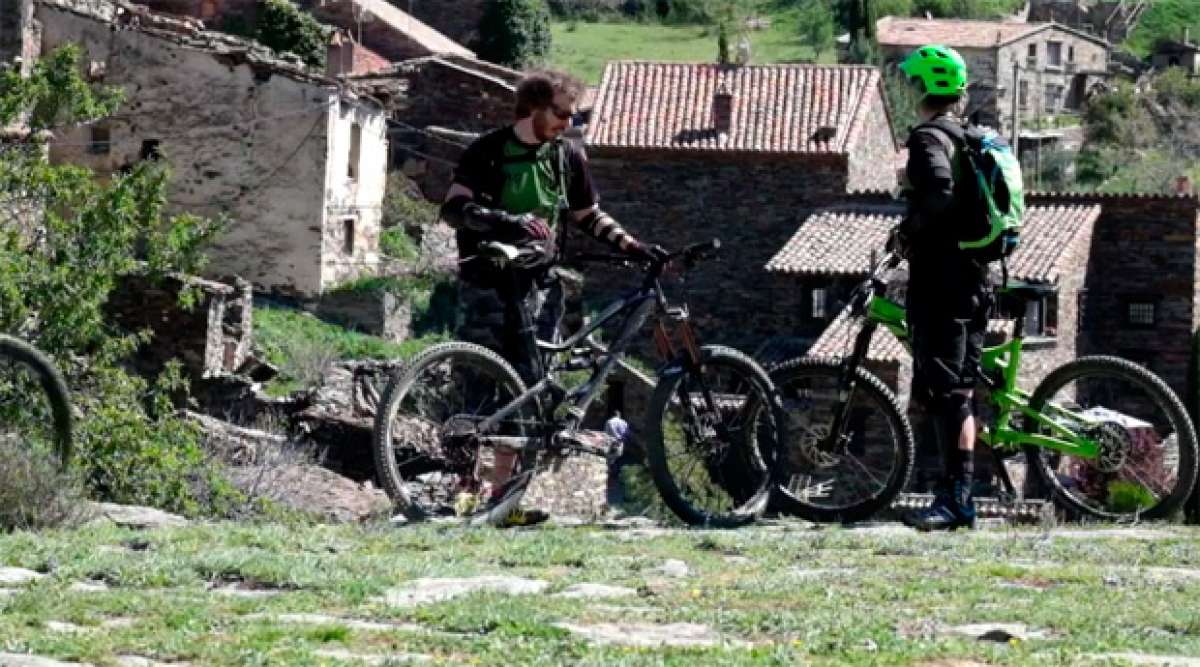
[(1105, 436)]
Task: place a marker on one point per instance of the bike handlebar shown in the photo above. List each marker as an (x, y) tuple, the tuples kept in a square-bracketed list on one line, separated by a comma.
[(689, 254)]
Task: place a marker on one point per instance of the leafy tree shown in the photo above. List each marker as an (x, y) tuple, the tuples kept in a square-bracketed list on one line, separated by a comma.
[(66, 238), (902, 102), (1164, 19), (892, 8), (515, 32), (285, 27), (816, 25)]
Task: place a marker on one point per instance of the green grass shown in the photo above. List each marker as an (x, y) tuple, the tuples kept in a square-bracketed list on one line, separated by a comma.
[(1164, 19), (299, 344), (875, 594), (584, 48)]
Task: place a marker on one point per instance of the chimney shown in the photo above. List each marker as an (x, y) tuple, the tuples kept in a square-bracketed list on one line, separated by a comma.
[(1187, 34), (722, 109), (339, 54)]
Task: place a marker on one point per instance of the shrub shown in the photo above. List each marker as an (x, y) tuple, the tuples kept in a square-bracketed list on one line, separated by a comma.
[(515, 32), (284, 27), (56, 273), (34, 491)]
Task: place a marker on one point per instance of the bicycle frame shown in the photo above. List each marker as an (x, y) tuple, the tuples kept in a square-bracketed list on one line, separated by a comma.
[(635, 309), (1000, 362)]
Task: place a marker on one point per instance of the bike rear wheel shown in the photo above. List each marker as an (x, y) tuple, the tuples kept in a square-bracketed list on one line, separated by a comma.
[(1147, 463), (847, 476), (35, 405), (711, 434), (427, 455)]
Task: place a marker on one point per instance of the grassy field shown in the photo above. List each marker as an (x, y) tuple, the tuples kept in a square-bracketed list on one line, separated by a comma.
[(783, 594), (584, 48), (300, 345)]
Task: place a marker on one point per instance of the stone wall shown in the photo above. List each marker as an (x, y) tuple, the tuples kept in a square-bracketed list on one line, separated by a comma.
[(210, 338), (456, 19), (874, 154), (1143, 247), (19, 35), (380, 313), (353, 192), (265, 149), (753, 204), (458, 97)]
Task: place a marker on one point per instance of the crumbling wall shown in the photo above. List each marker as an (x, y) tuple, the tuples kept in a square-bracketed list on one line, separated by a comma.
[(211, 336)]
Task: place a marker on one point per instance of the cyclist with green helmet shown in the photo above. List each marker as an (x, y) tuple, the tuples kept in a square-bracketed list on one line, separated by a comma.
[(948, 295)]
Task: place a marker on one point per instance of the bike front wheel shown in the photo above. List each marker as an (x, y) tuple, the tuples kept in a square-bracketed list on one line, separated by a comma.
[(711, 434), (35, 406), (426, 442), (1147, 444), (851, 474)]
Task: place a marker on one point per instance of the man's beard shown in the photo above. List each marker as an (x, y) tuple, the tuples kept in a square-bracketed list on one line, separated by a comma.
[(541, 128)]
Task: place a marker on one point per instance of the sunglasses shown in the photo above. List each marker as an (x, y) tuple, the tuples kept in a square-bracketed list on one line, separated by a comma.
[(560, 113)]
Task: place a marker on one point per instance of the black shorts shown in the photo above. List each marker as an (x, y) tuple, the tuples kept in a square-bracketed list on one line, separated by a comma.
[(947, 339)]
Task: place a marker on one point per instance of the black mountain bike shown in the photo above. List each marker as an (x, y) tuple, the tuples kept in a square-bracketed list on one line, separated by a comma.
[(35, 407), (712, 425)]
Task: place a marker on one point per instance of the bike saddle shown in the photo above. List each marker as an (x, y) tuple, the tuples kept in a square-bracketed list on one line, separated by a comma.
[(524, 255), (1026, 291)]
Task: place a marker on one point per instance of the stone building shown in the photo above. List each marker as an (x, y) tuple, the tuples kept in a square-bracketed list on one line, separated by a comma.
[(294, 162), (1170, 53), (682, 153), (457, 19), (1055, 65), (1111, 19), (385, 29), (378, 25), (438, 104), (19, 34), (831, 253)]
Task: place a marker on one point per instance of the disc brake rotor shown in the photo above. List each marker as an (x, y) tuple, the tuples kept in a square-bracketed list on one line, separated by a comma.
[(1115, 445)]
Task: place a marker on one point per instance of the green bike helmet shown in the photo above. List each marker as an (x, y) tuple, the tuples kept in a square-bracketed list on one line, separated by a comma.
[(939, 70)]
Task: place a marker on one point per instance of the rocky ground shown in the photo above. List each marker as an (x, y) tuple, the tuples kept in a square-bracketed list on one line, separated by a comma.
[(134, 589)]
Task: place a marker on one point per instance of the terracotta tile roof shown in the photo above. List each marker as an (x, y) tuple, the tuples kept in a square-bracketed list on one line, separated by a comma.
[(840, 241), (912, 32), (837, 340), (795, 109)]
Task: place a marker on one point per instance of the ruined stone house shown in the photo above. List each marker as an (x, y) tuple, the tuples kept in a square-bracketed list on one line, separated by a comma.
[(683, 153), (1172, 53), (1056, 64), (293, 161)]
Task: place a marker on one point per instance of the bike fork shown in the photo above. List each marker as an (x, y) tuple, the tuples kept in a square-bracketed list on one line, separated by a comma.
[(847, 382)]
